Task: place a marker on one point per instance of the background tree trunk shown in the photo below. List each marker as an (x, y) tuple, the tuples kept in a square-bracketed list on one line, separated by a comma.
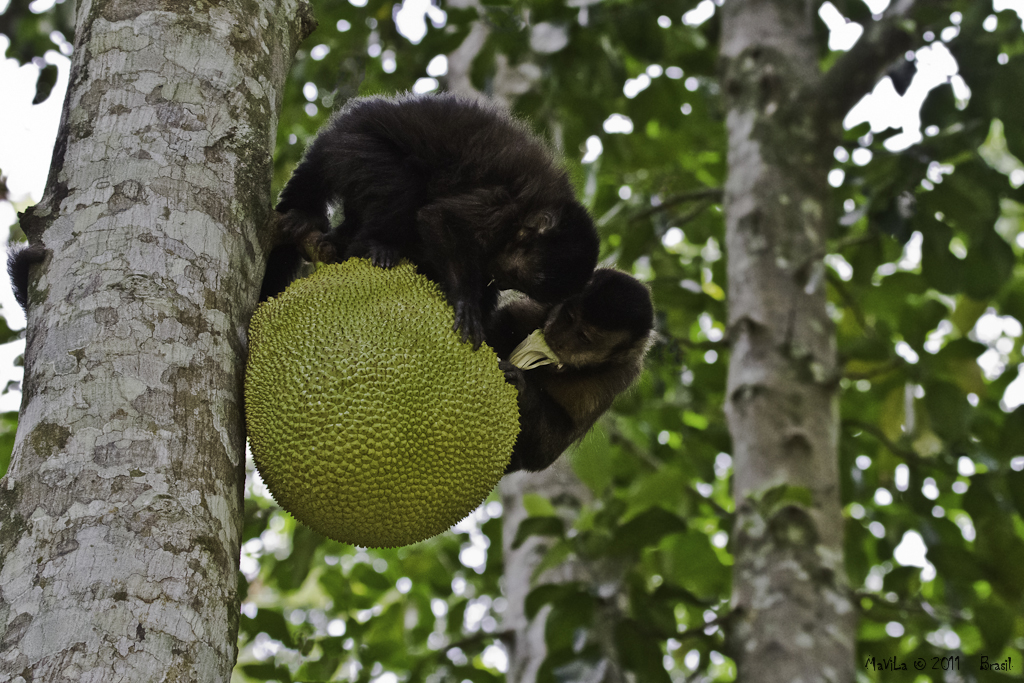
[(120, 512), (795, 619), (600, 576), (794, 615)]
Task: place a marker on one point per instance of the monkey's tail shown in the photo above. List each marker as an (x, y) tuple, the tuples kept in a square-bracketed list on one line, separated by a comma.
[(20, 260)]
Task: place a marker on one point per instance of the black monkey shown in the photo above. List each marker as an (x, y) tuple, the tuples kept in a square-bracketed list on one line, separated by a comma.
[(458, 187), (599, 337), (19, 260)]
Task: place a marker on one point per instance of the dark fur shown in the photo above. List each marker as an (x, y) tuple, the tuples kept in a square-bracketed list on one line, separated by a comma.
[(20, 260), (459, 188), (283, 266), (601, 336)]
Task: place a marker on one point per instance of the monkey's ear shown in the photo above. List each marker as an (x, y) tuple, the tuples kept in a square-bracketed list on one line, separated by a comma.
[(541, 221)]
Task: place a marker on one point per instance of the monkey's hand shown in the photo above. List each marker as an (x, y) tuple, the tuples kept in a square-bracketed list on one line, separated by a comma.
[(322, 249), (513, 375), (295, 225), (468, 319), (381, 255)]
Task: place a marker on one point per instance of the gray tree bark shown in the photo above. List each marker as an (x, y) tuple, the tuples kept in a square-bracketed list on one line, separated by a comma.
[(794, 618), (526, 639), (120, 515)]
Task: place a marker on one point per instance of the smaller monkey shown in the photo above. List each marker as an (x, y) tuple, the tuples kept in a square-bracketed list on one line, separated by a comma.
[(20, 260), (599, 338)]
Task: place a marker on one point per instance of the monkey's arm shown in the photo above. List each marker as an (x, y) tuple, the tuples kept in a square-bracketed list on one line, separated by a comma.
[(512, 323), (558, 408), (308, 193), (283, 266), (546, 429), (586, 393), (288, 261), (455, 234)]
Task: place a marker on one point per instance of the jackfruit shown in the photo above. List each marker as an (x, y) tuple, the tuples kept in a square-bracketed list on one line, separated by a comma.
[(369, 420)]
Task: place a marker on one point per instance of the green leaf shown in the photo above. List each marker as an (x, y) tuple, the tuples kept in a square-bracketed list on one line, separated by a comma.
[(778, 497), (948, 409), (545, 594), (691, 419), (692, 563), (558, 553), (291, 572), (369, 577), (666, 488), (957, 363), (44, 83), (940, 268), (1015, 485), (640, 652), (7, 335), (996, 623), (571, 612), (538, 526), (988, 266), (271, 622), (646, 529), (592, 460), (538, 506), (8, 428), (268, 671)]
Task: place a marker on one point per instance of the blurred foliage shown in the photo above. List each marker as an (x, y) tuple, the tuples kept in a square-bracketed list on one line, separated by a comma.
[(32, 31), (8, 426), (926, 291)]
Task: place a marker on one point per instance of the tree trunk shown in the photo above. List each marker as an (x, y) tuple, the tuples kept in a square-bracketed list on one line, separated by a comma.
[(120, 515), (794, 618), (527, 647)]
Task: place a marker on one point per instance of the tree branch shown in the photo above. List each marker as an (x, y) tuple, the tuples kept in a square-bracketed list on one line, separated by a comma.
[(710, 194), (460, 60), (855, 74), (908, 455), (698, 631), (851, 302), (836, 247), (893, 363)]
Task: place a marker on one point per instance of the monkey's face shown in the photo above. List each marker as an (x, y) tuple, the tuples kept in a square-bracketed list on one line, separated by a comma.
[(519, 265), (551, 256), (578, 342)]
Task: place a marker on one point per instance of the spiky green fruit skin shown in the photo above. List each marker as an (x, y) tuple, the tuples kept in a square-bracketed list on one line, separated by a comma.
[(369, 420)]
